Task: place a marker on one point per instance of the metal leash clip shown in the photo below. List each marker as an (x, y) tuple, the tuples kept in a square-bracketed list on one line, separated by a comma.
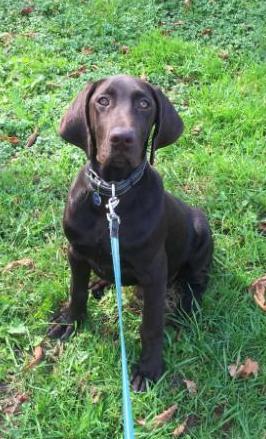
[(113, 218)]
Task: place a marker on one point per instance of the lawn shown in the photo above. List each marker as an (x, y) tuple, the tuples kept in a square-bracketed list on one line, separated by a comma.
[(208, 56)]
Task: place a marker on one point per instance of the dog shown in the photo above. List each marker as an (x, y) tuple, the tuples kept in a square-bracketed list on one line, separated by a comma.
[(163, 242)]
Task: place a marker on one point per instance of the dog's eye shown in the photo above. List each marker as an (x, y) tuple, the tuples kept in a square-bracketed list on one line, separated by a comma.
[(104, 101), (144, 104)]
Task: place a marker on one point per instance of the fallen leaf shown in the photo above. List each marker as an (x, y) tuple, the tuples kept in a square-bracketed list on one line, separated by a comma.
[(26, 11), (223, 54), (11, 139), (38, 355), (87, 51), (191, 387), (250, 367), (189, 423), (6, 38), (207, 31), (141, 422), (187, 3), (165, 416), (124, 49), (196, 130), (95, 394), (14, 403), (25, 262), (178, 23), (168, 68), (32, 138), (30, 34), (262, 227), (78, 72), (258, 290), (180, 429)]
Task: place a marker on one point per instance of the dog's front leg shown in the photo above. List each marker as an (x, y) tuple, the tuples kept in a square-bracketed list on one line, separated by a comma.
[(63, 323), (153, 289)]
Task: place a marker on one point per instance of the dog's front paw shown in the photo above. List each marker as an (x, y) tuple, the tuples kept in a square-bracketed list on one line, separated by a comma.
[(143, 375), (62, 324)]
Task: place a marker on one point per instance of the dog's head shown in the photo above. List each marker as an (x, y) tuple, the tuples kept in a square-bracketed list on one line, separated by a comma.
[(112, 119)]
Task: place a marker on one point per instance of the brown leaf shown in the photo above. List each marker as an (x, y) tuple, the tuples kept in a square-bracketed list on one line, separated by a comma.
[(168, 68), (38, 355), (87, 50), (26, 11), (178, 23), (207, 31), (14, 403), (191, 387), (258, 290), (165, 416), (11, 139), (262, 227), (95, 394), (141, 422), (180, 429), (250, 367), (32, 138), (26, 262), (223, 54), (78, 72), (124, 49), (196, 130), (187, 4), (189, 423), (6, 38)]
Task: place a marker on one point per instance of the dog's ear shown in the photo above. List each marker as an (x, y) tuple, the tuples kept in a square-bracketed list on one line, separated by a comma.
[(75, 126), (168, 124)]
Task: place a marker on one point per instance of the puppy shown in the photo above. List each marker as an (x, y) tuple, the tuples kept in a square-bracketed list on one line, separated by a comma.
[(163, 242)]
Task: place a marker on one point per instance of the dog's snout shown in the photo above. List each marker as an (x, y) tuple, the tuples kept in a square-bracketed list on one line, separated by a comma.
[(122, 136)]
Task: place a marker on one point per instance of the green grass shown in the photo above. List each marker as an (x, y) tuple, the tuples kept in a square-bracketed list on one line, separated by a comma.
[(219, 165)]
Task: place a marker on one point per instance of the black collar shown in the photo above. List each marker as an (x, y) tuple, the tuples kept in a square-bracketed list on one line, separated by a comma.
[(104, 188)]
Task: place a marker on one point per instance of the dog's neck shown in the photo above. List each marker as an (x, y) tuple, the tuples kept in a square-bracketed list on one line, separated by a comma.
[(112, 173)]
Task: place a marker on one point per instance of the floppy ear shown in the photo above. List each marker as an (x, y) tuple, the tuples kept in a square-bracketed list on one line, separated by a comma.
[(168, 125), (74, 127)]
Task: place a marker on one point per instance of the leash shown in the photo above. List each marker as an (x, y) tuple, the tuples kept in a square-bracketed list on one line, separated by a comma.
[(114, 222)]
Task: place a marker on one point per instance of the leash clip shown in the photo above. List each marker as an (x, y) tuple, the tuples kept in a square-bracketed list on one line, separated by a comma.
[(112, 217)]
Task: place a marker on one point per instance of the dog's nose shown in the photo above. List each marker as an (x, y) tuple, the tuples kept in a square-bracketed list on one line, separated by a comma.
[(123, 136)]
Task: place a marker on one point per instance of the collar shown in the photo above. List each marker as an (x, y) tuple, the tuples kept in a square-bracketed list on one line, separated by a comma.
[(104, 188)]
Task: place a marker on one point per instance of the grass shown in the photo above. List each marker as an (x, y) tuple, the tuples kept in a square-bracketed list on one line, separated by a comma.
[(217, 80)]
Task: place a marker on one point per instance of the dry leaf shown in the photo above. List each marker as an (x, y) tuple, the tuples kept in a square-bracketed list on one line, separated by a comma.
[(38, 355), (14, 403), (180, 429), (250, 367), (95, 394), (258, 290), (6, 38), (26, 11), (223, 54), (262, 226), (11, 139), (124, 49), (26, 262), (78, 72), (196, 130), (178, 23), (168, 68), (165, 416), (187, 3), (191, 387), (207, 31), (141, 422), (87, 51), (32, 138)]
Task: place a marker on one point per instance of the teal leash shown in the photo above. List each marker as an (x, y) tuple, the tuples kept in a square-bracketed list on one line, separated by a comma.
[(114, 222)]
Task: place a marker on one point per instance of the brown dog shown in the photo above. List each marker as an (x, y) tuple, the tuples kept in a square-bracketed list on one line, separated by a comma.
[(163, 242)]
